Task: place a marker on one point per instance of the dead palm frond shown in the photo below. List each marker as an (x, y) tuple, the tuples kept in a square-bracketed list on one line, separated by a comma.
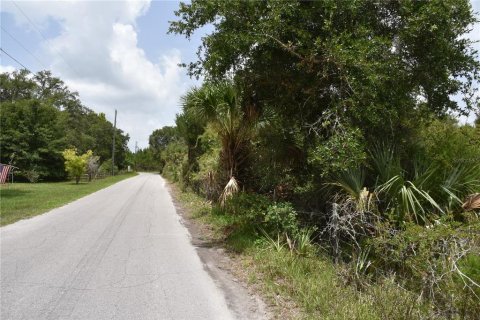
[(230, 189), (472, 202)]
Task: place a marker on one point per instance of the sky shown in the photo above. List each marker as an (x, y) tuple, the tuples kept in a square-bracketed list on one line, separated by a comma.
[(115, 54)]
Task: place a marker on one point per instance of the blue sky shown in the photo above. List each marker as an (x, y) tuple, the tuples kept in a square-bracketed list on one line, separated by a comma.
[(116, 54)]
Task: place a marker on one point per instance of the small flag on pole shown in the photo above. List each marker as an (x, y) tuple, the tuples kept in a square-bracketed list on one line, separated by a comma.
[(4, 171)]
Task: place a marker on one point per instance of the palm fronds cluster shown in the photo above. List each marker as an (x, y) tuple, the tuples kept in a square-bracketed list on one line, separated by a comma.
[(418, 195)]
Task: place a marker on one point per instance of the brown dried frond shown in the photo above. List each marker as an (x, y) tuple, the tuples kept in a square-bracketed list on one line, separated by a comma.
[(230, 189), (472, 202)]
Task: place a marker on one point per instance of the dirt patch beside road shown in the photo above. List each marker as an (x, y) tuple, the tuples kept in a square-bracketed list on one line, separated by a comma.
[(225, 270)]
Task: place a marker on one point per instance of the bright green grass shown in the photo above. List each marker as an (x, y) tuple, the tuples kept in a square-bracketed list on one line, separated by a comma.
[(24, 200)]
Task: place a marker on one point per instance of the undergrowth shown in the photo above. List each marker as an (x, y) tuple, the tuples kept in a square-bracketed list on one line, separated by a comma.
[(290, 269)]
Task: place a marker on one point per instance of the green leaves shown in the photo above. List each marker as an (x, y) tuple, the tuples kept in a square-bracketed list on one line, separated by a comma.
[(342, 151), (351, 181), (379, 65), (419, 193), (407, 200), (219, 104), (76, 164), (332, 80), (41, 117)]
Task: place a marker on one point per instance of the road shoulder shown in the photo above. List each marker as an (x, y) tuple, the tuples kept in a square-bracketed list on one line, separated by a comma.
[(224, 268)]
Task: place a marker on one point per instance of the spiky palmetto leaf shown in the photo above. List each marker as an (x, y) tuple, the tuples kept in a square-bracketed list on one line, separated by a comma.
[(408, 200), (460, 181), (350, 181), (386, 163), (417, 195), (463, 178)]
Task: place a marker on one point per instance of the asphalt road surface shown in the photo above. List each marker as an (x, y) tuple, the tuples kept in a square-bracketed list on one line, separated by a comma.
[(120, 253)]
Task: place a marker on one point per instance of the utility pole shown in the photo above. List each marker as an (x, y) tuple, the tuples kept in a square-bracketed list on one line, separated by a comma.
[(113, 144), (136, 150)]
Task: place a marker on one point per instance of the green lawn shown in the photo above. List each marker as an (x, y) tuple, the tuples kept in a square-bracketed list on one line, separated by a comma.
[(24, 200)]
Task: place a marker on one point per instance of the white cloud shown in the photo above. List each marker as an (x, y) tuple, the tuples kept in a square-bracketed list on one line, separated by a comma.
[(97, 54), (6, 69)]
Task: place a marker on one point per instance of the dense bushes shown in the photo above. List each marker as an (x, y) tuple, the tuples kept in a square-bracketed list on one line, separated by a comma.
[(340, 131), (451, 145), (174, 156), (385, 216), (404, 217), (106, 168), (440, 263), (259, 211)]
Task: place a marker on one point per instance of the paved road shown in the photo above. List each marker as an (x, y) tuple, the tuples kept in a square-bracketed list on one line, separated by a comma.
[(120, 253)]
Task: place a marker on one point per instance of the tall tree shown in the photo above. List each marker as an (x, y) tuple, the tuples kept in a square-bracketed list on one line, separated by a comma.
[(33, 135), (372, 65), (160, 138)]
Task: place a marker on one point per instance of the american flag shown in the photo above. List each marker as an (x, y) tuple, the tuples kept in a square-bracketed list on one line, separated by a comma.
[(4, 170)]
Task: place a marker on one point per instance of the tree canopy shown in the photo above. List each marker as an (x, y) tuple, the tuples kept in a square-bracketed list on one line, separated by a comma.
[(369, 64), (40, 117)]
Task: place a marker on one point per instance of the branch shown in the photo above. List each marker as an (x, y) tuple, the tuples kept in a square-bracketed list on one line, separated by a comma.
[(289, 48)]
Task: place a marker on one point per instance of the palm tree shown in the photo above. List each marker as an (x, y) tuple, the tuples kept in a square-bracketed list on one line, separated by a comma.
[(220, 105)]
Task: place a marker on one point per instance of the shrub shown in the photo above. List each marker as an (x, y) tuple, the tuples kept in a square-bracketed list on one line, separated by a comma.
[(106, 168), (175, 155), (468, 279), (206, 180), (440, 262), (342, 151), (348, 223), (418, 192), (281, 218), (448, 144), (32, 175), (248, 205), (76, 164), (261, 212)]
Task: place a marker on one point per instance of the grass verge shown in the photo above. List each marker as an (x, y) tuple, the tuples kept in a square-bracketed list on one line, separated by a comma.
[(25, 200), (301, 286)]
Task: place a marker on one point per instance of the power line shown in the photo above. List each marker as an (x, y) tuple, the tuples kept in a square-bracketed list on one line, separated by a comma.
[(14, 59), (45, 38), (17, 41)]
